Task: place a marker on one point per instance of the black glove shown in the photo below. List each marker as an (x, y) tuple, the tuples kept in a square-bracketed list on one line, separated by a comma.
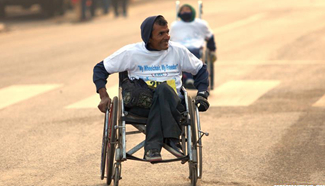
[(201, 101)]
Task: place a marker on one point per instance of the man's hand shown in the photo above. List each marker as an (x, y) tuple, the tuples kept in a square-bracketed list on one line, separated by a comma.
[(105, 100), (104, 104), (213, 56), (201, 101)]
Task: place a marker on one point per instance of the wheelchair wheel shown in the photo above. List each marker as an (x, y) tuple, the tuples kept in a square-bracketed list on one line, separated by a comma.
[(193, 165), (200, 162), (199, 153), (109, 141), (209, 68), (211, 75), (104, 147), (117, 174), (194, 175)]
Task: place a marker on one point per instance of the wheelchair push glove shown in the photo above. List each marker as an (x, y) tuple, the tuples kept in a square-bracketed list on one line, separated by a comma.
[(201, 101)]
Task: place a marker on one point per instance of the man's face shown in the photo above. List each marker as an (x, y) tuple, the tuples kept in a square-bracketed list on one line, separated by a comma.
[(159, 37)]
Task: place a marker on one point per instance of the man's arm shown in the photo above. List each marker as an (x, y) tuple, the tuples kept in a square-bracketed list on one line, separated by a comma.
[(100, 75), (211, 45), (99, 78), (209, 37), (201, 79)]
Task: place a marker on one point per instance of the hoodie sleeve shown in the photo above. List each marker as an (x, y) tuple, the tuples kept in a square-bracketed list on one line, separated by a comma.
[(211, 44), (100, 75), (201, 79)]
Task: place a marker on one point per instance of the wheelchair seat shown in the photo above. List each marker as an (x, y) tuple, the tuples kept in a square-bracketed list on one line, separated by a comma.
[(132, 118)]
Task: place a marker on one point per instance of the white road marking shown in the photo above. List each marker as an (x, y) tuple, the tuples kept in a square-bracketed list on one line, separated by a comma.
[(267, 62), (320, 102), (92, 101), (240, 93), (238, 24), (16, 93), (233, 93)]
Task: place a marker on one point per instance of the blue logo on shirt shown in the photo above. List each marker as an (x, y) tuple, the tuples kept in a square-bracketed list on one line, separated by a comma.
[(157, 67)]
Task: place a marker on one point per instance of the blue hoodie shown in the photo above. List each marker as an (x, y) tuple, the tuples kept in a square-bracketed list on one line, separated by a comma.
[(146, 30)]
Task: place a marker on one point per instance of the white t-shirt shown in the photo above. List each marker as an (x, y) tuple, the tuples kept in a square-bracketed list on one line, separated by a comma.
[(156, 66), (190, 34)]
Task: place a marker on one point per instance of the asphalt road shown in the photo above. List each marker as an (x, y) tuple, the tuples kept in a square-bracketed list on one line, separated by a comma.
[(266, 121)]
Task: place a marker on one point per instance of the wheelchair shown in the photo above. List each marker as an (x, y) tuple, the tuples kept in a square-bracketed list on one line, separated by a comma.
[(210, 67), (114, 139)]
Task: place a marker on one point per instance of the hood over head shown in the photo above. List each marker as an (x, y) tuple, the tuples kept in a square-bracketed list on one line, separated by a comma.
[(146, 28)]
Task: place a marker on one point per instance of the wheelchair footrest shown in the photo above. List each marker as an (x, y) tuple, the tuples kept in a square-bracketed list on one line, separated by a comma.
[(183, 159)]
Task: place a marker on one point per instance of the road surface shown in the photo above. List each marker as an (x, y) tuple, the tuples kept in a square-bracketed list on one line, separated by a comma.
[(266, 121)]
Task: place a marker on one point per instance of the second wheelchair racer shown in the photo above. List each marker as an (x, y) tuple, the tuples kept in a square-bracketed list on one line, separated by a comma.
[(192, 33)]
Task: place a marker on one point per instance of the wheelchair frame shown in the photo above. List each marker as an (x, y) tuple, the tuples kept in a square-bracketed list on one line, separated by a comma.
[(210, 67), (114, 140)]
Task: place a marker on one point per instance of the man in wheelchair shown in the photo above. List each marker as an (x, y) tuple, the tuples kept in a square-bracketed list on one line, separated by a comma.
[(160, 63), (192, 33)]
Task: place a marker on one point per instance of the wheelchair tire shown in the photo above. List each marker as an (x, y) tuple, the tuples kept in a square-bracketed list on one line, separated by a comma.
[(193, 165), (211, 75), (117, 174), (210, 68), (103, 157), (194, 176), (200, 162), (111, 141), (198, 143), (104, 145)]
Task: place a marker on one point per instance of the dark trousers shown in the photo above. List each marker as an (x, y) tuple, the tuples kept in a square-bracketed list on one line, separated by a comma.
[(83, 9), (117, 3), (100, 3), (106, 4), (93, 7), (164, 117)]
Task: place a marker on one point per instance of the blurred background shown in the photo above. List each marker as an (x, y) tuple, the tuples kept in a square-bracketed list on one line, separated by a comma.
[(266, 118), (68, 10)]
